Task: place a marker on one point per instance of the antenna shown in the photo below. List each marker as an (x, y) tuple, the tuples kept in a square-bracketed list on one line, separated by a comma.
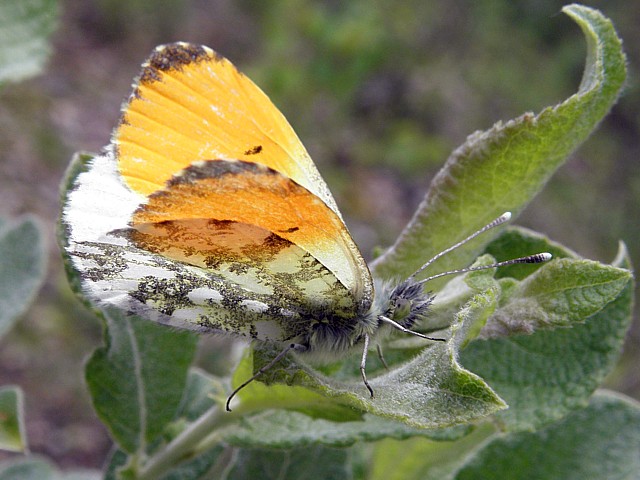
[(535, 258), (505, 217)]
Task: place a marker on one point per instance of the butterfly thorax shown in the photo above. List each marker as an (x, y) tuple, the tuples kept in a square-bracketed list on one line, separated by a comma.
[(405, 303)]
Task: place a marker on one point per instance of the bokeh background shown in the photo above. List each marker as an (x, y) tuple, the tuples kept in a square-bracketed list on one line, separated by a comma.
[(379, 91)]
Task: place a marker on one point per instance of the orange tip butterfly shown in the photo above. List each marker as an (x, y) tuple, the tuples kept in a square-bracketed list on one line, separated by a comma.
[(206, 212)]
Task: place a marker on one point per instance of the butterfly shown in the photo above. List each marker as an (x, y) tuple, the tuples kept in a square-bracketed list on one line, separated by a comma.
[(207, 213)]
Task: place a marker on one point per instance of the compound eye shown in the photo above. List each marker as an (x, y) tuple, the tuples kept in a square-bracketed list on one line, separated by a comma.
[(402, 310)]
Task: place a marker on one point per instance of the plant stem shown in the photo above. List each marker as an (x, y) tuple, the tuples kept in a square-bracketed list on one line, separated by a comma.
[(184, 445)]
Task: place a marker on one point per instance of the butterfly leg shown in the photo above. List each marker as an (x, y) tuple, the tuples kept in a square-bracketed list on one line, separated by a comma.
[(363, 364), (397, 326), (381, 356), (277, 358)]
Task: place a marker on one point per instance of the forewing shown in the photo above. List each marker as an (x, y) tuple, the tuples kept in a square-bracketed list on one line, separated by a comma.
[(190, 104)]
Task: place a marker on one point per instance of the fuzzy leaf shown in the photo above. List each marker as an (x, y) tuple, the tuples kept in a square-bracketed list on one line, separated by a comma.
[(545, 375), (280, 428), (448, 301), (117, 459), (502, 168), (28, 469), (559, 294), (288, 429), (200, 394), (423, 459), (34, 468), (12, 431), (608, 429), (138, 378), (200, 468), (22, 268), (211, 464), (309, 462), (516, 242), (79, 164), (25, 28)]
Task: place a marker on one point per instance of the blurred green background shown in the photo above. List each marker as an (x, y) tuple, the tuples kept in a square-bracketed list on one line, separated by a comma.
[(379, 91)]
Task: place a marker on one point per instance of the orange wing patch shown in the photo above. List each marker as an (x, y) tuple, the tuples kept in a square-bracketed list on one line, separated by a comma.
[(251, 194), (192, 104), (252, 258)]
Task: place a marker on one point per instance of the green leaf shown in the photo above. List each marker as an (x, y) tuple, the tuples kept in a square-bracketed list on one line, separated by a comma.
[(607, 430), (82, 475), (200, 394), (600, 442), (137, 379), (309, 462), (12, 431), (22, 268), (28, 469), (502, 168), (514, 242), (286, 386), (79, 164), (545, 375), (34, 468), (211, 464), (559, 294), (25, 28), (288, 429), (431, 391), (423, 459), (458, 291), (116, 460)]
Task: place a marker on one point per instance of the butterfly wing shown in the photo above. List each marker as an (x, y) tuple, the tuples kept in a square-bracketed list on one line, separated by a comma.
[(191, 104), (206, 212), (196, 273)]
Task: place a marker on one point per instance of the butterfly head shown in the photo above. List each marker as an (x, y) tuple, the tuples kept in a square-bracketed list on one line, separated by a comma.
[(406, 303)]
